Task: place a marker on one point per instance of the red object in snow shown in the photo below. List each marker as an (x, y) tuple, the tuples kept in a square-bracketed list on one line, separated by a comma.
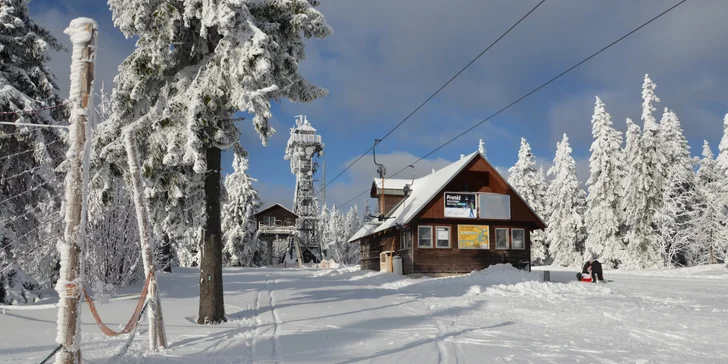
[(586, 279)]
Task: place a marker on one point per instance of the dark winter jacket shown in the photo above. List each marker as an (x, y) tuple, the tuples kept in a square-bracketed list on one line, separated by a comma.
[(585, 270), (597, 268)]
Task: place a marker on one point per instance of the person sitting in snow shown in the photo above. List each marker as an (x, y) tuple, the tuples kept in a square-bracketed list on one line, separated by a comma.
[(585, 270), (596, 269)]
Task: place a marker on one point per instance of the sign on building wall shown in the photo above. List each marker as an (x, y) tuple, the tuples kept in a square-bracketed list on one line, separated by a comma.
[(461, 204), (495, 206), (473, 237)]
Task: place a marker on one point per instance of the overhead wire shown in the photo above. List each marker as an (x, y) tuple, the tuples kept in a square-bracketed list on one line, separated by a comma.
[(434, 94)]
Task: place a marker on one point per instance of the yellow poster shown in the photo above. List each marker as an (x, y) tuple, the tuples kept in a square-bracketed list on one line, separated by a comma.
[(473, 236)]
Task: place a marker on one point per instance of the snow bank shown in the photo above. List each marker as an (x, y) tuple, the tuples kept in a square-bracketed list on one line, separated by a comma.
[(496, 274), (545, 290)]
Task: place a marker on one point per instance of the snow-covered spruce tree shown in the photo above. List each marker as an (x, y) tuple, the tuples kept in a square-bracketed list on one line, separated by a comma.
[(30, 186), (530, 183), (709, 224), (336, 231), (565, 224), (350, 252), (196, 63), (238, 222), (674, 220), (721, 161), (601, 217), (645, 188), (481, 147)]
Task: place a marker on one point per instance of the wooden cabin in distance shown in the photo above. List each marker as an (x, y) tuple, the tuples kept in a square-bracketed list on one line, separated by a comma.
[(274, 222), (462, 218)]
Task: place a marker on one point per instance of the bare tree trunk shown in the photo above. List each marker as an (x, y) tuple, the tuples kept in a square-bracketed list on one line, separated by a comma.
[(212, 308)]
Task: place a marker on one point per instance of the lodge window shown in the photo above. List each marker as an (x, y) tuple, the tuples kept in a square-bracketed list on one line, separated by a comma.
[(424, 236), (501, 238), (405, 239), (269, 220), (518, 239), (443, 237)]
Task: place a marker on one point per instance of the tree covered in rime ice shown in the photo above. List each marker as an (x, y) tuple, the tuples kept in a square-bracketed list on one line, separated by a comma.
[(350, 252), (530, 183), (722, 159), (710, 246), (30, 185), (481, 147), (238, 222), (196, 63), (645, 188), (565, 224), (601, 217), (113, 255), (679, 196)]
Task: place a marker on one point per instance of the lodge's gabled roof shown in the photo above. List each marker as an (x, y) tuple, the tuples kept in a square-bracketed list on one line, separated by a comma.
[(424, 189), (272, 206)]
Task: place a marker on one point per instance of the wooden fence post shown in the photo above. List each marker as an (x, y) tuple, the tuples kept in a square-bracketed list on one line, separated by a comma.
[(83, 36)]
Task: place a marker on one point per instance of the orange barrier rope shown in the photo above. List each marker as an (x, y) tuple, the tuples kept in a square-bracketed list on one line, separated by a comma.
[(131, 325)]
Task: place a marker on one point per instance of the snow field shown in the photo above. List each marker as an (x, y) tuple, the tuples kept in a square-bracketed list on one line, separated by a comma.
[(351, 316)]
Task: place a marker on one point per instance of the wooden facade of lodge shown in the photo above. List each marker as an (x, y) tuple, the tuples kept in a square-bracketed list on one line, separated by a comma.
[(462, 218)]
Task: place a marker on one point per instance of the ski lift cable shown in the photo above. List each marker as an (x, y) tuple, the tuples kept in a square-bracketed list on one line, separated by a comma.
[(438, 91)]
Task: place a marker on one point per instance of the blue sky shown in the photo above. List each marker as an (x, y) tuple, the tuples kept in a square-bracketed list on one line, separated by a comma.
[(386, 57)]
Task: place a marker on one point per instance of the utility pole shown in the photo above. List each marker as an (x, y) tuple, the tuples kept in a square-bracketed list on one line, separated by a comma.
[(157, 336), (83, 36), (323, 184)]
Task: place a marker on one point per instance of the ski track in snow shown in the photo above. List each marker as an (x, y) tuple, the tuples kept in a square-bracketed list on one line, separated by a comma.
[(274, 314), (257, 322)]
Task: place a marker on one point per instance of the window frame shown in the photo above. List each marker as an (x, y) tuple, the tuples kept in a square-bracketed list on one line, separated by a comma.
[(449, 237), (508, 238), (420, 235), (523, 231), (405, 239)]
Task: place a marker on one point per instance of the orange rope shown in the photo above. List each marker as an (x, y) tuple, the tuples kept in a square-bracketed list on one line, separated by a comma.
[(131, 325)]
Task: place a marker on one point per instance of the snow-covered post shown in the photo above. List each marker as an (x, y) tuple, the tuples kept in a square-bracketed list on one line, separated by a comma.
[(83, 36), (157, 336)]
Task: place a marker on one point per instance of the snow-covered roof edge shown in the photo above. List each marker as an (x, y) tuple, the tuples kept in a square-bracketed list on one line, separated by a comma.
[(272, 206)]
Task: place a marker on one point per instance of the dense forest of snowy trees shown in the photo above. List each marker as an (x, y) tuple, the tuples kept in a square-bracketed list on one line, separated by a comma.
[(648, 204)]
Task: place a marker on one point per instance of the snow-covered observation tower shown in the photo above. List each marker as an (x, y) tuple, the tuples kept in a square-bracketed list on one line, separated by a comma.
[(303, 145)]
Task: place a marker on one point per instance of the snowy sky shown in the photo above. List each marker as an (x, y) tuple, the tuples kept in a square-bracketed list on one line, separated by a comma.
[(386, 57)]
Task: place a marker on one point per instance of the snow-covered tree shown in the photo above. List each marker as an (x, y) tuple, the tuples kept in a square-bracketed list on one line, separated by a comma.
[(602, 216), (196, 63), (530, 183), (721, 161), (30, 185), (350, 252), (113, 256), (709, 224), (238, 222), (565, 224), (481, 147), (337, 233), (674, 220), (645, 188)]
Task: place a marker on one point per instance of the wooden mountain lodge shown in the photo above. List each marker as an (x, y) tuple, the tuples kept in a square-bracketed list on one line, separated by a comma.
[(462, 218), (277, 223)]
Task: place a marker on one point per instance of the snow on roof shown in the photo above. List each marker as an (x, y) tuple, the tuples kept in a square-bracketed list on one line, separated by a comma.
[(274, 205), (365, 230), (391, 184), (423, 190)]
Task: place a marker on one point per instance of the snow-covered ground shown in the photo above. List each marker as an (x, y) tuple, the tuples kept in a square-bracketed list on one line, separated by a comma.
[(351, 316)]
